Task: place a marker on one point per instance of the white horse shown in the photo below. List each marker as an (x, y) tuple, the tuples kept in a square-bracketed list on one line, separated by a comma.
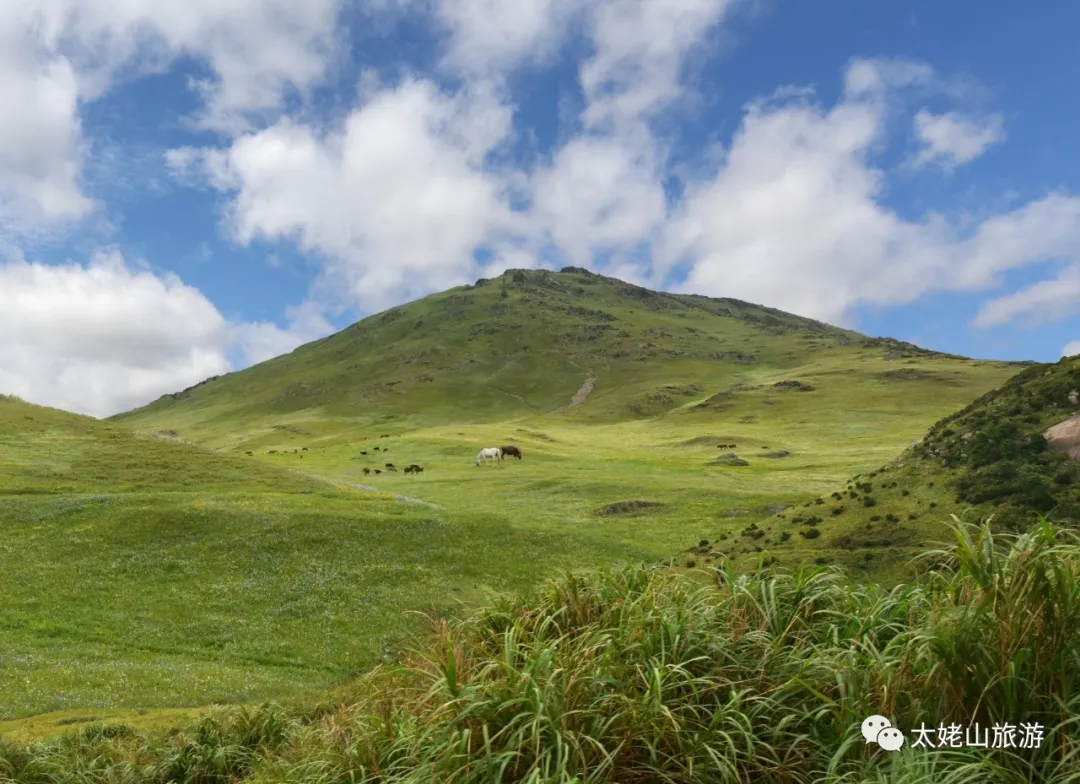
[(492, 452)]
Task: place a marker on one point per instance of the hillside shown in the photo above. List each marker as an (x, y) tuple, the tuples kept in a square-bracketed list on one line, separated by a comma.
[(518, 346), (622, 399), (141, 572), (989, 459), (177, 569)]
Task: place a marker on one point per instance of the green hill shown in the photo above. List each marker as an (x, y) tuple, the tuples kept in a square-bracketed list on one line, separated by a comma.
[(521, 346), (619, 397), (149, 562), (989, 459), (138, 571)]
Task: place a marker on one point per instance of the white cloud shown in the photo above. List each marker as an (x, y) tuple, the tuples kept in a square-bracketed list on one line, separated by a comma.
[(1071, 349), (40, 150), (600, 193), (641, 47), (57, 55), (103, 338), (491, 36), (1048, 300), (397, 200), (794, 217), (951, 139), (603, 191)]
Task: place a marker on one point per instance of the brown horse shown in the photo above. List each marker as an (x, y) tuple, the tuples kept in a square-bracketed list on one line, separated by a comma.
[(512, 451)]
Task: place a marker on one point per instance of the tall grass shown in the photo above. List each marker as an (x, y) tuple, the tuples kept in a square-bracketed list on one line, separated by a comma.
[(641, 675)]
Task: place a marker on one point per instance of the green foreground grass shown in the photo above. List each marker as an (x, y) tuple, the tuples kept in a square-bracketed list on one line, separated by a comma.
[(643, 675)]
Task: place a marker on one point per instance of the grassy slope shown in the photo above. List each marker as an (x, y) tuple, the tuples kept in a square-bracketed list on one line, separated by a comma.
[(141, 572), (208, 588), (675, 377), (988, 459), (639, 675)]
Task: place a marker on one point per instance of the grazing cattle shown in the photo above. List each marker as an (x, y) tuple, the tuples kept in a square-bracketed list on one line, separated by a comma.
[(413, 469), (367, 471), (391, 468), (376, 449), (363, 453), (389, 465), (294, 451), (385, 436), (303, 449), (377, 471), (247, 453), (273, 452), (491, 453), (512, 451)]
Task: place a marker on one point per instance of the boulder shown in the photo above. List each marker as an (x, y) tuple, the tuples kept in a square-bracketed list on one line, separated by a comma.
[(1065, 437)]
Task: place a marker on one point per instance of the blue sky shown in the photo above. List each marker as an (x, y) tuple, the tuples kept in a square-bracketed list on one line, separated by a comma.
[(186, 189)]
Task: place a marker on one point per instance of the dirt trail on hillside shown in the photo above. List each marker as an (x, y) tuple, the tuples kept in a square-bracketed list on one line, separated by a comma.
[(581, 395)]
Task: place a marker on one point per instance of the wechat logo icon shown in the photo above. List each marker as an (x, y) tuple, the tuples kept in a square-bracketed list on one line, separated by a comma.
[(879, 730)]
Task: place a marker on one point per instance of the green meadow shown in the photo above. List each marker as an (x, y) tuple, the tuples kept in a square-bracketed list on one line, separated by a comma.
[(223, 545), (144, 571)]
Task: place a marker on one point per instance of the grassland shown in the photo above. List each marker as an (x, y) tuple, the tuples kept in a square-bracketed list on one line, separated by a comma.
[(138, 572), (987, 460), (641, 675), (146, 571)]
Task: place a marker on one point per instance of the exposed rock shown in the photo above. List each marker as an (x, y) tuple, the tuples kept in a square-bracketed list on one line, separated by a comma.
[(626, 507), (1065, 437), (730, 459), (735, 512), (779, 453), (799, 385), (776, 508), (1074, 397)]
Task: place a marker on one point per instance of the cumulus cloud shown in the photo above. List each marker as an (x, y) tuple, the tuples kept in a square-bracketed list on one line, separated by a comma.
[(491, 36), (397, 199), (56, 56), (1071, 349), (600, 194), (951, 139), (100, 338), (794, 214), (103, 337), (640, 49), (40, 144)]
